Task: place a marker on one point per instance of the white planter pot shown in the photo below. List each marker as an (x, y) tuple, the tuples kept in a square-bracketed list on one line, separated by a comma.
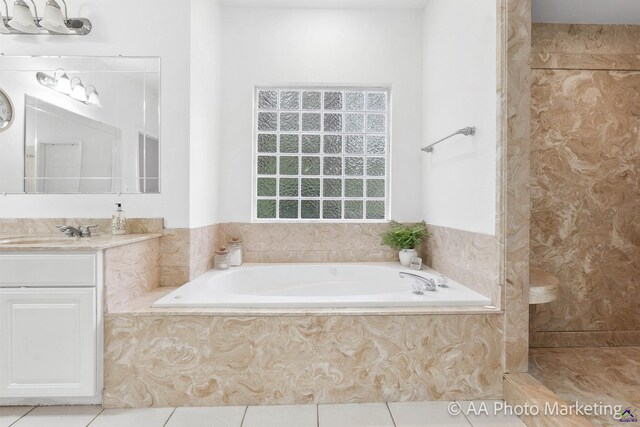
[(406, 255)]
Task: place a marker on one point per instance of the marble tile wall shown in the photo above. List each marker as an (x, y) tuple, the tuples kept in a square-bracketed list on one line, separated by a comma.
[(472, 259), (186, 253), (310, 242), (130, 271), (164, 360), (586, 47), (585, 171), (513, 210)]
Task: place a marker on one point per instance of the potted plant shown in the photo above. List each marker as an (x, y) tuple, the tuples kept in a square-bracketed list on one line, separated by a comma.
[(405, 238)]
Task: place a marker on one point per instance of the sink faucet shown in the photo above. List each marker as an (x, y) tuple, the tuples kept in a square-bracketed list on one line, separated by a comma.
[(79, 231), (420, 284)]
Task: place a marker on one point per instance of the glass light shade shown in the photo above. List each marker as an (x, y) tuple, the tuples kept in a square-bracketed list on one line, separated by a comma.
[(93, 98), (78, 93), (53, 19), (63, 84), (3, 28), (23, 19)]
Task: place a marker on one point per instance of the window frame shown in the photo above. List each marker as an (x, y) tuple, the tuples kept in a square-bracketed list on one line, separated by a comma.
[(254, 144)]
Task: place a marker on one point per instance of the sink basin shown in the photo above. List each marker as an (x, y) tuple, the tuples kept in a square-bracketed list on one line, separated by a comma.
[(35, 240)]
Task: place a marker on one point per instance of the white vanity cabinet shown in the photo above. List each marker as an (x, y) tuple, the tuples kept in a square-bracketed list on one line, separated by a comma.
[(50, 327)]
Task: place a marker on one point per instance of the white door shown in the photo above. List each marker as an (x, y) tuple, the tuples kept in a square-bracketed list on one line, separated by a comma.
[(61, 166), (47, 342)]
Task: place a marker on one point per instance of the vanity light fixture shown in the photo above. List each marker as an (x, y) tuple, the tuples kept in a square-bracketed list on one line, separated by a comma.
[(22, 20), (92, 96), (78, 91), (53, 22), (73, 88), (63, 83), (53, 19)]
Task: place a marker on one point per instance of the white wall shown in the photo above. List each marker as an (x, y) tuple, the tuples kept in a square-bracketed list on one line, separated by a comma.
[(206, 102), (460, 90), (320, 46), (123, 27)]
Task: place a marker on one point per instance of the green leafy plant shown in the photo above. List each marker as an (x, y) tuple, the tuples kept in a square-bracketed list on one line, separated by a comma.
[(404, 236)]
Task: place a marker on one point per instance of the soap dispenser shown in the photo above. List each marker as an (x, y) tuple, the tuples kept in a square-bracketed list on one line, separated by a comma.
[(118, 221)]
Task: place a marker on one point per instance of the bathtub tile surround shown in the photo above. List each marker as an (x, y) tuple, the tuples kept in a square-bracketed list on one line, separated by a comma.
[(513, 210), (130, 271), (160, 360), (469, 258), (311, 242), (186, 253), (584, 175)]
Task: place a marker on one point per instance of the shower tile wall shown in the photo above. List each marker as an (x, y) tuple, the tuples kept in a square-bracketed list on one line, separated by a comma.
[(513, 166), (585, 176)]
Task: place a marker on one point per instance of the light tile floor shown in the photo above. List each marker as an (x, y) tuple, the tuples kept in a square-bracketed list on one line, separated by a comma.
[(402, 414)]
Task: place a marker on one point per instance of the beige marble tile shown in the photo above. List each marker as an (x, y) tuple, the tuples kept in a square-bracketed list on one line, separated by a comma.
[(586, 201), (316, 236), (320, 256), (522, 389), (174, 276), (472, 259), (586, 39), (513, 202), (584, 338), (175, 247), (130, 271), (589, 375), (160, 360)]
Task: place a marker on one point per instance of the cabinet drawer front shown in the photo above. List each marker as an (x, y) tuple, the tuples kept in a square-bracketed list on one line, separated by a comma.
[(49, 338), (44, 270)]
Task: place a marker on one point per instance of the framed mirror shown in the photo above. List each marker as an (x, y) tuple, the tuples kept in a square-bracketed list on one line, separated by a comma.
[(85, 125)]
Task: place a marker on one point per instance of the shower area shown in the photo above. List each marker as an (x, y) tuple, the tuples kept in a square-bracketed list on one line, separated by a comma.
[(585, 212)]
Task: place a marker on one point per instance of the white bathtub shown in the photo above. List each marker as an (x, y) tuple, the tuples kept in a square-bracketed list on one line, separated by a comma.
[(319, 285)]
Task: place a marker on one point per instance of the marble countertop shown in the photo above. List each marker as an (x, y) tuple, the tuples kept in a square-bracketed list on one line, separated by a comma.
[(39, 242)]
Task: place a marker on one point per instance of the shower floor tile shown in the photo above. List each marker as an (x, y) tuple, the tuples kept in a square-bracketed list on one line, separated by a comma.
[(610, 375)]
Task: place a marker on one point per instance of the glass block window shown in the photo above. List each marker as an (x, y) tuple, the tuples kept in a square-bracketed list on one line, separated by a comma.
[(321, 154)]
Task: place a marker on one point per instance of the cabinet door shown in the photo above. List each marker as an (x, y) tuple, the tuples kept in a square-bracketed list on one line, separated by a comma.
[(47, 342)]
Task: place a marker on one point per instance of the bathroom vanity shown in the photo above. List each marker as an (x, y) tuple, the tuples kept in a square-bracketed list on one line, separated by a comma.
[(51, 317)]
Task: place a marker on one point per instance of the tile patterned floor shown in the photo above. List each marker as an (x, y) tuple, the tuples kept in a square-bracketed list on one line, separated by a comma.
[(590, 374), (404, 414)]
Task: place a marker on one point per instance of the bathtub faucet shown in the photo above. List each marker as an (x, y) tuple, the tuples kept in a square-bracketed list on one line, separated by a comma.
[(420, 284)]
